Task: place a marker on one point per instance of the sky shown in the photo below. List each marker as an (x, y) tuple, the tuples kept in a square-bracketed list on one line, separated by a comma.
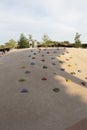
[(59, 19)]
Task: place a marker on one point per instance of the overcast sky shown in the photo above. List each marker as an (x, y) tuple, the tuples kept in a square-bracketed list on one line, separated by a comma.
[(60, 19)]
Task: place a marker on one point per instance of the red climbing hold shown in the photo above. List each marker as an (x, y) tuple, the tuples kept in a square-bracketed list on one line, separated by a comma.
[(33, 57), (83, 83), (44, 78), (43, 60), (67, 59)]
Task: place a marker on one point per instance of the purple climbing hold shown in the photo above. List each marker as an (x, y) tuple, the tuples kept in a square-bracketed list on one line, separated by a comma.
[(24, 90), (62, 69), (27, 72), (53, 64)]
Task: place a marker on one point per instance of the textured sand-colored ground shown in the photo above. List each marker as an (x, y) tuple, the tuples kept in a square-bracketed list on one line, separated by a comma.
[(41, 108)]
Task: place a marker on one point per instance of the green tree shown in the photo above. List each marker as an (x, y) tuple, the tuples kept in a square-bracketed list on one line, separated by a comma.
[(66, 42), (45, 38), (11, 44), (23, 42), (2, 46), (77, 43)]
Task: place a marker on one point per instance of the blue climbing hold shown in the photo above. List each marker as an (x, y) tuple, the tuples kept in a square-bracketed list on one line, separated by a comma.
[(32, 63), (52, 58)]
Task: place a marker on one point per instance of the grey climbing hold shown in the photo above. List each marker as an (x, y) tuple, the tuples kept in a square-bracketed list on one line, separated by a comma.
[(27, 72), (79, 71), (32, 63)]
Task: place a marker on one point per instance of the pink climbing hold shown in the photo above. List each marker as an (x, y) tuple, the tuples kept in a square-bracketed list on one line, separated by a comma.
[(67, 59)]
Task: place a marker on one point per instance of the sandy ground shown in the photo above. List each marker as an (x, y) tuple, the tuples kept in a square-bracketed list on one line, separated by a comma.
[(41, 108)]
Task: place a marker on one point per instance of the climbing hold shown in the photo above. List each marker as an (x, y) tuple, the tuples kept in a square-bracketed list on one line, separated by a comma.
[(43, 60), (62, 69), (33, 57), (73, 73), (45, 67), (48, 52), (69, 65), (79, 71), (29, 56), (44, 78), (27, 72), (34, 53), (85, 77), (56, 90), (61, 61), (53, 64), (23, 67), (63, 54), (58, 56), (67, 59), (67, 52), (54, 52), (42, 55), (32, 63), (21, 80), (83, 83), (52, 58), (24, 90), (54, 73), (68, 80)]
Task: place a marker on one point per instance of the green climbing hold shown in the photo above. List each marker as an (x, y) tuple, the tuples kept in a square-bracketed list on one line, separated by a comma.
[(56, 90), (73, 73), (21, 80), (61, 61), (45, 67)]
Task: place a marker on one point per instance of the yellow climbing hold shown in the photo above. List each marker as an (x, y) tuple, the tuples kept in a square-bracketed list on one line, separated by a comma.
[(69, 65), (68, 80), (23, 67)]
